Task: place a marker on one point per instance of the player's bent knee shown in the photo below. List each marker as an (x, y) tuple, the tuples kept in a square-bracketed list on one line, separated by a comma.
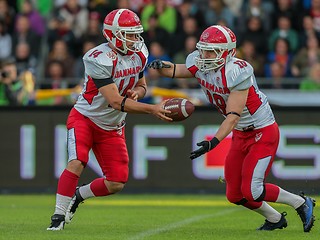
[(115, 187), (75, 166), (235, 199)]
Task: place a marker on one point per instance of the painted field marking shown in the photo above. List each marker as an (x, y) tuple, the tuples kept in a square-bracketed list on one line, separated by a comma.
[(142, 202), (179, 224)]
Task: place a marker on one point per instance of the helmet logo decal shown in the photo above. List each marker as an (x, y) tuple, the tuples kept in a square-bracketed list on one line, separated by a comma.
[(205, 36)]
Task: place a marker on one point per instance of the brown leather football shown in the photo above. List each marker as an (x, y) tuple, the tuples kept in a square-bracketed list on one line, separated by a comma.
[(180, 108)]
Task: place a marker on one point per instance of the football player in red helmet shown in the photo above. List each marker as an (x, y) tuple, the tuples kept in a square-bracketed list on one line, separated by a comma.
[(229, 84), (114, 81), (122, 29)]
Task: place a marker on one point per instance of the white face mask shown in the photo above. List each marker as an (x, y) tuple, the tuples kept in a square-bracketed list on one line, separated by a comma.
[(207, 64), (136, 44)]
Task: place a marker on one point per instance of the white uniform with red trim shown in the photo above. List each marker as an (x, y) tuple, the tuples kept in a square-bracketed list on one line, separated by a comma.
[(236, 75), (102, 62)]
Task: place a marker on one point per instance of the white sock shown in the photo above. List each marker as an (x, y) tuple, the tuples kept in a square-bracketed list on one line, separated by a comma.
[(62, 203), (290, 199), (85, 192), (268, 212)]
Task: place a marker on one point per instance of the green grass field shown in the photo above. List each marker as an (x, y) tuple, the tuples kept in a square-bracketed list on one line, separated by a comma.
[(134, 217)]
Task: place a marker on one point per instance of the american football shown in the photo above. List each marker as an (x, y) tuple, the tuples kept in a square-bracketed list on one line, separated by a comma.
[(180, 108)]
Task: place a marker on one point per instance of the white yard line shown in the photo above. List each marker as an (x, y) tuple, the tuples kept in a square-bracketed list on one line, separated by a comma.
[(175, 225)]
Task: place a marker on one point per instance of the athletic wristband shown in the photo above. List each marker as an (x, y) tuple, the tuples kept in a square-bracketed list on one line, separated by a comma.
[(235, 113), (213, 143), (123, 103), (174, 71)]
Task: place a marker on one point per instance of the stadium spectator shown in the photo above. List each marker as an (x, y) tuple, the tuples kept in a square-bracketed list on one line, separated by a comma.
[(247, 52), (256, 8), (43, 7), (256, 34), (5, 41), (307, 56), (76, 17), (23, 33), (56, 78), (61, 53), (282, 55), (286, 8), (277, 76), (100, 6), (156, 34), (234, 6), (285, 31), (158, 52), (189, 46), (60, 29), (307, 31), (37, 22), (312, 82), (229, 84), (93, 32), (187, 9), (98, 118), (190, 28), (167, 15), (7, 14), (217, 10), (24, 60), (15, 90), (314, 12)]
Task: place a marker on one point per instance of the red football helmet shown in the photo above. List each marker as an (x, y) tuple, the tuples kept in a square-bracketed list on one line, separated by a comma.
[(117, 24), (219, 39)]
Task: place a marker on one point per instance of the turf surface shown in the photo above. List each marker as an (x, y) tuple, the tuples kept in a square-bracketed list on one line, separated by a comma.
[(134, 217)]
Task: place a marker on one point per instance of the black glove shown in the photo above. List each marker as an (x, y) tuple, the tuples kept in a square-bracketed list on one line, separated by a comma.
[(206, 146), (158, 64)]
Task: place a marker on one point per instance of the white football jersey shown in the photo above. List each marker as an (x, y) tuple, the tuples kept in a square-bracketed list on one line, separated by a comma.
[(237, 74), (102, 62)]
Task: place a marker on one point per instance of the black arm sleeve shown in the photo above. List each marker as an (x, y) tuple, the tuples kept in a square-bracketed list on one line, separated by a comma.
[(141, 74), (102, 82)]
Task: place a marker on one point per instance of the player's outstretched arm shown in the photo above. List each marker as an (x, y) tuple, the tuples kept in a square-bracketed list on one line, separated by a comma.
[(169, 69)]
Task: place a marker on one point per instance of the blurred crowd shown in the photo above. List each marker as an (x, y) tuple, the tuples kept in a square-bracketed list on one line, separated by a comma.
[(42, 42)]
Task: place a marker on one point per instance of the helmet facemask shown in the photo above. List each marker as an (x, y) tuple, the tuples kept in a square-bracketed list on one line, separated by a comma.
[(207, 64), (120, 36)]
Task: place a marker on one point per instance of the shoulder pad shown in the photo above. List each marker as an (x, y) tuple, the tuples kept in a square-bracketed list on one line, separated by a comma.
[(237, 71), (190, 61), (99, 61), (101, 54), (145, 51), (143, 54)]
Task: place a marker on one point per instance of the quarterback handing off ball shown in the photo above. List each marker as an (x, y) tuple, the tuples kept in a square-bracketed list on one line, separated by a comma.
[(180, 108)]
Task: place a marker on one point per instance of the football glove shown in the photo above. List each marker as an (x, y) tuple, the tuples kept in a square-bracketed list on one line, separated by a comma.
[(158, 64), (206, 146)]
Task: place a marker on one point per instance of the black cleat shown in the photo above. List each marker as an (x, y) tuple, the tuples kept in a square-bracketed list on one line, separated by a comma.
[(269, 226), (75, 201), (305, 211), (57, 223)]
